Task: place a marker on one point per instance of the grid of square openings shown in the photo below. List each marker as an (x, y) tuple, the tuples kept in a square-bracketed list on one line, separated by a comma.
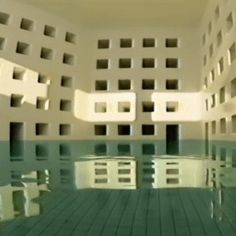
[(148, 42)]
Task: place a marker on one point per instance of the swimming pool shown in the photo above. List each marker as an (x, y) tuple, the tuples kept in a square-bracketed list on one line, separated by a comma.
[(117, 188)]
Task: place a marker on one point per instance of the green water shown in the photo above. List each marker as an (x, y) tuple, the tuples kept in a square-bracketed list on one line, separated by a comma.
[(117, 188)]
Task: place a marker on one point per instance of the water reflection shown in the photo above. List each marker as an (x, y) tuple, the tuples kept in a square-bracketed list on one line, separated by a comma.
[(50, 167)]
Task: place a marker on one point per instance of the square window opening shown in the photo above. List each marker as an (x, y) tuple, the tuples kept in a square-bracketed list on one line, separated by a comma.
[(102, 64), (64, 129), (18, 73), (66, 81), (126, 43), (23, 48), (124, 129), (124, 84), (70, 37), (27, 24), (148, 63), (16, 100), (68, 59), (65, 105), (148, 106), (148, 129), (125, 63), (100, 107), (172, 84), (50, 31), (41, 129), (4, 18), (123, 106), (172, 106), (172, 63), (100, 85), (149, 43), (46, 53), (171, 43), (42, 103), (148, 84), (103, 43), (100, 130)]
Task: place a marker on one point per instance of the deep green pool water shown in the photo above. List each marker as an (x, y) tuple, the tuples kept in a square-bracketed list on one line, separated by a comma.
[(117, 188)]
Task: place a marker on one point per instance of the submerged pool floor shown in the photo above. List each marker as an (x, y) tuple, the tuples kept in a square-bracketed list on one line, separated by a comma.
[(143, 212)]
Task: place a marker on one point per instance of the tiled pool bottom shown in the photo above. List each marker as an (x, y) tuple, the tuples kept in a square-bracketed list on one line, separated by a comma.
[(142, 212), (117, 188)]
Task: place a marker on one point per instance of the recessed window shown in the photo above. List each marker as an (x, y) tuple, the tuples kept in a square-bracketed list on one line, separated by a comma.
[(171, 42), (49, 31), (221, 66), (100, 130), (229, 21), (222, 95), (172, 171), (100, 107), (125, 63), (233, 123), (41, 129), (124, 130), (16, 100), (213, 127), (64, 129), (100, 85), (70, 37), (103, 43), (126, 43), (4, 18), (2, 43), (148, 63), (23, 48), (68, 59), (223, 126), (172, 84), (102, 64), (219, 38), (124, 84), (148, 129), (217, 12), (18, 73), (205, 82), (46, 53), (149, 43), (66, 81), (172, 63), (171, 106), (172, 181), (123, 106), (148, 106), (43, 79), (233, 87), (65, 105), (148, 84), (42, 103), (213, 100), (148, 149), (232, 53), (27, 24)]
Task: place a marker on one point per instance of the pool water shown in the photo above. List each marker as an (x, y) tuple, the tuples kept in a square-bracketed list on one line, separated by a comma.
[(117, 188)]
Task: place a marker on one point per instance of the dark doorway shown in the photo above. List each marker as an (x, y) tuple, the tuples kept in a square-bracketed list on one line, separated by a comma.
[(172, 139), (16, 138)]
